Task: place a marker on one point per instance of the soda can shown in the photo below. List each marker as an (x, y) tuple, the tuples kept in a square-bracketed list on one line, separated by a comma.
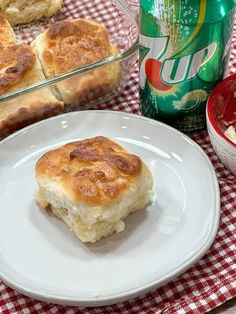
[(184, 52)]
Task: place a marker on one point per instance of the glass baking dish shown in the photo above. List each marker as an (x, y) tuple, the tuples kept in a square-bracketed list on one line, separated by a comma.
[(120, 19)]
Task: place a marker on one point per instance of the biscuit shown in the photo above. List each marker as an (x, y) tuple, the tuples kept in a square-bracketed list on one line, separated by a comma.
[(92, 185), (7, 35), (19, 67), (72, 44), (26, 11)]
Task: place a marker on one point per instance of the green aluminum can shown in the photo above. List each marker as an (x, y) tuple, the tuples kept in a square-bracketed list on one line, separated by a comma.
[(184, 52)]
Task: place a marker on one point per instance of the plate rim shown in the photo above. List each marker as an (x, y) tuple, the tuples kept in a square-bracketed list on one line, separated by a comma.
[(141, 290)]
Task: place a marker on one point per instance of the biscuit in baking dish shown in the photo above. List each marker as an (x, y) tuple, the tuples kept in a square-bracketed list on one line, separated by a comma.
[(72, 44), (7, 35), (19, 67), (92, 185), (26, 11)]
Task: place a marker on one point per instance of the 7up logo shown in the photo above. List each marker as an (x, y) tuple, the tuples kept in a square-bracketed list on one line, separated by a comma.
[(162, 70)]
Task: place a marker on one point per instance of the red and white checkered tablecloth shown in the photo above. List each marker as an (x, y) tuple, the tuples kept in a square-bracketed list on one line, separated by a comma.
[(208, 284)]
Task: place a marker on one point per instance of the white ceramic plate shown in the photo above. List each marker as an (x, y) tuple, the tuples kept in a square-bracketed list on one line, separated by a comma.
[(41, 258)]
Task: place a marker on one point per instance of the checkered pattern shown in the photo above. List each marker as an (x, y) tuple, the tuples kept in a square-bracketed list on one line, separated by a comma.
[(208, 284), (123, 32), (232, 62)]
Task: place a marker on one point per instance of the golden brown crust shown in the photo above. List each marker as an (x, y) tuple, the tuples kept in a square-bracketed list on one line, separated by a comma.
[(15, 62), (71, 44), (7, 36), (94, 171), (19, 67)]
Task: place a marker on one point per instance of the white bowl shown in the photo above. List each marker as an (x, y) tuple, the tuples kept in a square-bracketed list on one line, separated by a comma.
[(221, 113)]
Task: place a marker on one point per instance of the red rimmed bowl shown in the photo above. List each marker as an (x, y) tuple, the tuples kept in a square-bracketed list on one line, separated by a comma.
[(220, 114)]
